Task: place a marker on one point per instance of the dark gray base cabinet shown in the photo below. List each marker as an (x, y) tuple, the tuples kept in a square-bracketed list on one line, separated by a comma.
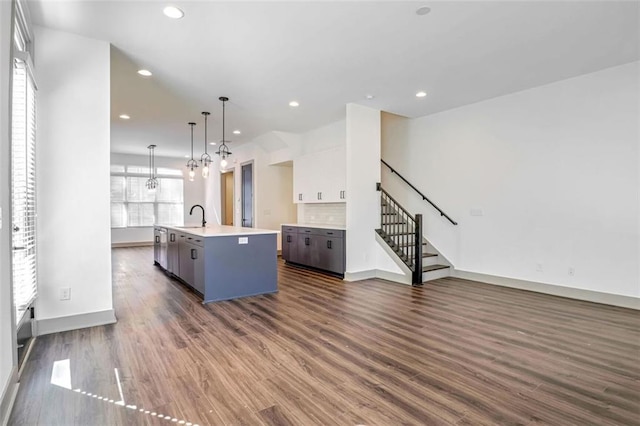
[(191, 261), (314, 247)]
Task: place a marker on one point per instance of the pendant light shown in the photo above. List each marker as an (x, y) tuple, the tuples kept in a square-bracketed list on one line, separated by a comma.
[(205, 159), (223, 150), (152, 182), (192, 164)]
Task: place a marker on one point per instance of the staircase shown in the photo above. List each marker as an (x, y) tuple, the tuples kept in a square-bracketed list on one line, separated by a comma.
[(403, 234)]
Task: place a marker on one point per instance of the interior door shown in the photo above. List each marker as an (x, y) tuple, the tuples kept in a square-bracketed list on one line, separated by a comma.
[(226, 192), (247, 195)]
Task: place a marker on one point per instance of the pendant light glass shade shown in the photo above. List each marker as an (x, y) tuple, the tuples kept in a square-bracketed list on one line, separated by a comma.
[(152, 182), (205, 159), (223, 150), (192, 164)]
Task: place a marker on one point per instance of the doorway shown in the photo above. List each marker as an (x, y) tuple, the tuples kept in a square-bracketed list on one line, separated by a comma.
[(247, 195), (226, 192)]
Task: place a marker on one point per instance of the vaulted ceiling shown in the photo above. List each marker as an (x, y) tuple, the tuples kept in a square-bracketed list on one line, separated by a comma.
[(264, 54)]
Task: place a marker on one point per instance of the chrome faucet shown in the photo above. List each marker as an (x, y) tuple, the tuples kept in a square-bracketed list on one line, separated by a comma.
[(204, 222)]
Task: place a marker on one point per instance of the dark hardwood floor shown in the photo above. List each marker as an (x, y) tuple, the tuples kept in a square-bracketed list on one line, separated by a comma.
[(323, 351)]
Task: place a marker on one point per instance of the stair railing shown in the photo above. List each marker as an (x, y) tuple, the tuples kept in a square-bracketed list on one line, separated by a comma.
[(424, 197), (402, 232)]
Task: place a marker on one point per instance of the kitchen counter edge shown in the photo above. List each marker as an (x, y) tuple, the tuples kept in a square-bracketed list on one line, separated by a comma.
[(315, 225), (219, 230)]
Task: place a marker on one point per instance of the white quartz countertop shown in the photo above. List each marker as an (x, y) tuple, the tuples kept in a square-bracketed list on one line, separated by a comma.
[(219, 230), (316, 225)]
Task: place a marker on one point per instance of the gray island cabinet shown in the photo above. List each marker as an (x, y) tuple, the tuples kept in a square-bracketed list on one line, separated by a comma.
[(219, 262)]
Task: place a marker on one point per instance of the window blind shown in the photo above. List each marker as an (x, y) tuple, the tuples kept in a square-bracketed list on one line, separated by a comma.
[(23, 188), (133, 205)]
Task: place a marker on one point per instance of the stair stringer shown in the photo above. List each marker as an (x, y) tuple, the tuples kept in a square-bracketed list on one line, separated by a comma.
[(402, 274)]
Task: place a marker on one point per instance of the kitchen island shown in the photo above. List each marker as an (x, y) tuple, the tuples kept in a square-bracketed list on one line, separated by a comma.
[(219, 262)]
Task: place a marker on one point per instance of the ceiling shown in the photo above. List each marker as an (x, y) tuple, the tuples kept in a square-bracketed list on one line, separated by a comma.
[(326, 54)]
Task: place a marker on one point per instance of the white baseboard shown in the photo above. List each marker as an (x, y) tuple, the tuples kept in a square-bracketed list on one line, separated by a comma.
[(74, 322), (8, 397), (393, 276), (555, 290), (377, 273), (359, 276), (132, 244)]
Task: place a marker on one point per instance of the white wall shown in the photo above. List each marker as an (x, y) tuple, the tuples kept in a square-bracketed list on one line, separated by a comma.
[(553, 169), (272, 188), (7, 334), (193, 194), (73, 174), (323, 138), (363, 126)]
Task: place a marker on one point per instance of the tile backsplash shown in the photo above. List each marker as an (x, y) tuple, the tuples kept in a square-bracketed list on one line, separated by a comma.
[(322, 214)]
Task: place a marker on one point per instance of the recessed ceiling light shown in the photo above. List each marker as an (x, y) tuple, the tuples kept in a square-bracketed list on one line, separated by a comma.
[(294, 104), (186, 156), (145, 73), (124, 116), (236, 132), (421, 94), (212, 143), (423, 10), (370, 97), (173, 12)]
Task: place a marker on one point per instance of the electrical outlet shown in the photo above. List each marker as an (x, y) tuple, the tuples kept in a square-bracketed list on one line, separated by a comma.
[(539, 267), (572, 271), (65, 293)]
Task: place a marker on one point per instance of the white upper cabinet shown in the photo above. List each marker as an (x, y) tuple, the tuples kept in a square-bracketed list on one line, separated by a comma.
[(320, 177)]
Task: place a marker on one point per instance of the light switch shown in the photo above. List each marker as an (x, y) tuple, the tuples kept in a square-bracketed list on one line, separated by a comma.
[(243, 240)]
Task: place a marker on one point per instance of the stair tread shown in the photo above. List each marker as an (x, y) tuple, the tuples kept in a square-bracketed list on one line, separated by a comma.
[(429, 254), (433, 267)]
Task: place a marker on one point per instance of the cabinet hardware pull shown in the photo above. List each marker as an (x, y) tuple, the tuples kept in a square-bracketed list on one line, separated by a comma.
[(288, 238), (306, 241), (329, 244), (329, 233), (300, 197), (172, 237), (157, 239), (194, 254)]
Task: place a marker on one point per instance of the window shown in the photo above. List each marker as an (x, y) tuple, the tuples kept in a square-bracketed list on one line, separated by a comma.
[(133, 205), (23, 171)]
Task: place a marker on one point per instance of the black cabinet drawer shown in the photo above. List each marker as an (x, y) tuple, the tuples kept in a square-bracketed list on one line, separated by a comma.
[(291, 229), (334, 233)]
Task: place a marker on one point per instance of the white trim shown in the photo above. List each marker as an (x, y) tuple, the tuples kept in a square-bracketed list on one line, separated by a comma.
[(9, 397), (555, 290), (360, 275), (377, 273), (393, 276), (74, 322)]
